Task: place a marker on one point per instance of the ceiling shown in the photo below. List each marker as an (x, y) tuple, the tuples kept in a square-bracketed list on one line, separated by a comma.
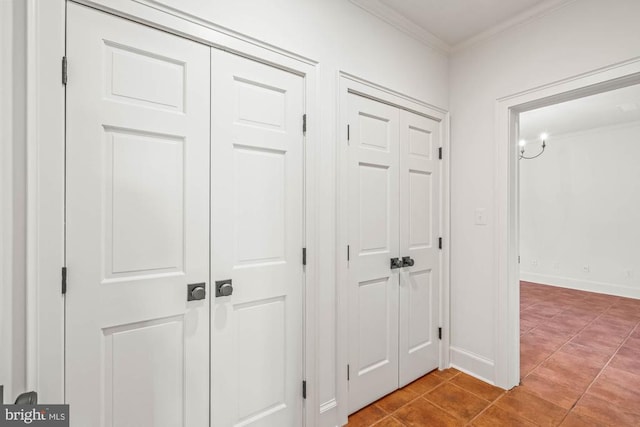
[(606, 109), (448, 24)]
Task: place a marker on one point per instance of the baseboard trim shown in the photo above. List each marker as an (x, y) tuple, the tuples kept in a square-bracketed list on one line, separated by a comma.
[(473, 364), (582, 285)]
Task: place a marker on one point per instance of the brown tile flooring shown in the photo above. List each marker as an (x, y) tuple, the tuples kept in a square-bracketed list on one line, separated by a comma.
[(580, 366)]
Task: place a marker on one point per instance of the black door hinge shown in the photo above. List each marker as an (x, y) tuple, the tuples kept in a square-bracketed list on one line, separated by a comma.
[(304, 389), (440, 153), (64, 280), (348, 374), (304, 256), (439, 242), (439, 333), (348, 253), (304, 124), (64, 70), (348, 132)]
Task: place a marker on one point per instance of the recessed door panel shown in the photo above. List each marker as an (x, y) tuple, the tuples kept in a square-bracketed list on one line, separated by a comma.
[(137, 209), (145, 369), (257, 241)]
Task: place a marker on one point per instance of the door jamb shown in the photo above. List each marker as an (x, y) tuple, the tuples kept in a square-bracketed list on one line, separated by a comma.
[(507, 110), (349, 83), (46, 37)]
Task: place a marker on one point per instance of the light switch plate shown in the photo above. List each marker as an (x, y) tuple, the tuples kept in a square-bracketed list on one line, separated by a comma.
[(481, 216)]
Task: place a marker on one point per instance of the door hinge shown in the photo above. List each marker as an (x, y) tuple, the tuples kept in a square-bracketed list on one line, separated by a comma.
[(348, 132), (439, 333), (64, 280), (304, 389), (518, 259), (439, 242), (64, 70), (348, 253), (440, 153), (304, 124), (348, 374), (304, 256)]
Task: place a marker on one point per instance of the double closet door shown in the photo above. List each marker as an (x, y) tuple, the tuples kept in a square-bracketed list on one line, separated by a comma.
[(394, 257), (184, 229)]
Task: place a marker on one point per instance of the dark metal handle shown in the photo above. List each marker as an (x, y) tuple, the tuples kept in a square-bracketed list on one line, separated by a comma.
[(407, 261), (196, 291), (224, 288), (396, 263)]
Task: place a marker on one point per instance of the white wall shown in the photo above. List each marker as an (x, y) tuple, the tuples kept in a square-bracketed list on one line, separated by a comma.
[(12, 199), (579, 206), (341, 37), (582, 36)]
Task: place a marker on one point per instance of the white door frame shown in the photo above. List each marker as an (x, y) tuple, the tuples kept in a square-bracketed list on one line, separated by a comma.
[(508, 109), (46, 36), (348, 83)]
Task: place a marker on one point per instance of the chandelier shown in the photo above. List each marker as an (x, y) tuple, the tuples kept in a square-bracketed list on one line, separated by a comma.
[(523, 144)]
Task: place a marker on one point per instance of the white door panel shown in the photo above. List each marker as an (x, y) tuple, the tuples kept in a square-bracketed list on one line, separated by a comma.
[(373, 236), (419, 232), (257, 240), (137, 224)]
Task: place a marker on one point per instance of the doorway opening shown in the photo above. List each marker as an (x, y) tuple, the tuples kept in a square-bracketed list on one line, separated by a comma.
[(507, 238)]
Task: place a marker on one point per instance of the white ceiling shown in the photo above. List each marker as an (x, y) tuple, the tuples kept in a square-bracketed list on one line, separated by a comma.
[(448, 24), (605, 109)]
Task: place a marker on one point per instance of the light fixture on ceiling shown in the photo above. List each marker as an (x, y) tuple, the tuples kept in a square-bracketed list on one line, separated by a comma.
[(523, 143)]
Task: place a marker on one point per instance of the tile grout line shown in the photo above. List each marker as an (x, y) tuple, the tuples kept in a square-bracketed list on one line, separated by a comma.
[(606, 364), (391, 414), (601, 370), (575, 334), (563, 344), (602, 313)]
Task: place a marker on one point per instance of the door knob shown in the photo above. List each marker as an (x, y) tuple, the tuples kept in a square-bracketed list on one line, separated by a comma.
[(224, 288), (396, 263), (407, 261), (196, 291)]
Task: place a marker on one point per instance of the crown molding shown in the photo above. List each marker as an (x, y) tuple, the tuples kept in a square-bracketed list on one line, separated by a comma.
[(522, 18), (400, 22)]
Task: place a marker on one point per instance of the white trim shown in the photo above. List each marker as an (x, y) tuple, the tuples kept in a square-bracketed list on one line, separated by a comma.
[(506, 332), (392, 17), (45, 199), (589, 131), (535, 12), (154, 14), (445, 227), (402, 23), (312, 243), (582, 285), (6, 193), (348, 83), (472, 364)]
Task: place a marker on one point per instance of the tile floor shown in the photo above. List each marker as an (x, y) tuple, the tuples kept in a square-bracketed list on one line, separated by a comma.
[(580, 366)]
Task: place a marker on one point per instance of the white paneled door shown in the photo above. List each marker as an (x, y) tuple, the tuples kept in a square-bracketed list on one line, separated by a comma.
[(256, 243), (137, 233), (419, 226), (394, 258), (373, 240)]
